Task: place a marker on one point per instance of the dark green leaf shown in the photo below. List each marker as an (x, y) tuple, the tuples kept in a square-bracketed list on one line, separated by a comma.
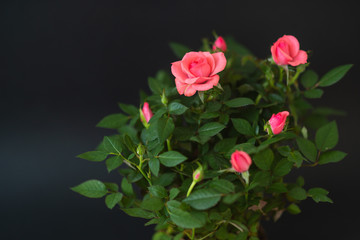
[(243, 126), (203, 199), (91, 189), (112, 199), (129, 109), (165, 127), (185, 219), (171, 158), (112, 144), (113, 121), (234, 46), (129, 143), (264, 159), (165, 179), (239, 102), (113, 162), (282, 168), (173, 193), (309, 78), (127, 188), (177, 108), (154, 166), (225, 145), (327, 136), (95, 156), (210, 129), (179, 49), (152, 204), (307, 148), (138, 212), (297, 193), (319, 195), (334, 75), (112, 186), (314, 93), (158, 191), (261, 179), (331, 157), (278, 188), (222, 186), (296, 158)]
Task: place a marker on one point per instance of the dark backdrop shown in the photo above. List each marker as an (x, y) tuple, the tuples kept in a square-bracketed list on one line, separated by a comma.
[(66, 64)]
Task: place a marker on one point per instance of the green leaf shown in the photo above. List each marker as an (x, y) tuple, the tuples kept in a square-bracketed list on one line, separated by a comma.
[(113, 163), (222, 186), (185, 219), (179, 49), (319, 195), (278, 188), (331, 157), (210, 129), (152, 204), (243, 126), (94, 156), (155, 86), (112, 199), (154, 166), (91, 189), (173, 193), (165, 179), (225, 145), (113, 121), (282, 168), (327, 136), (129, 109), (112, 144), (261, 179), (239, 102), (314, 93), (293, 209), (177, 108), (127, 188), (138, 212), (158, 191), (129, 143), (203, 199), (165, 127), (112, 186), (161, 236), (307, 148), (334, 75), (171, 158), (309, 78), (264, 159), (233, 45), (296, 158), (297, 193)]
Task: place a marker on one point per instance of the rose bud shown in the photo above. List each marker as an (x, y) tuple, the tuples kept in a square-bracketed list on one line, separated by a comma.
[(219, 44), (145, 114), (197, 71), (286, 51), (198, 174), (240, 161), (277, 122)]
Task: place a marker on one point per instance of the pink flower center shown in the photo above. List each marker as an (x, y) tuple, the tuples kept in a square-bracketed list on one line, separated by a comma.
[(200, 67)]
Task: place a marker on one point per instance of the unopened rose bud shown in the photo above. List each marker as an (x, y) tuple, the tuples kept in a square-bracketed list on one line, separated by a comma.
[(277, 122), (198, 174), (240, 161), (140, 149), (286, 51), (164, 99), (145, 114), (220, 44)]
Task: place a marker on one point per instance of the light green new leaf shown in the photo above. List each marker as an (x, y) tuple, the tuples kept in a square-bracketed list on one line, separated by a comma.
[(91, 189), (112, 199), (95, 156), (327, 136), (239, 102), (331, 157), (334, 75), (203, 199), (210, 129), (113, 121), (293, 209), (171, 158)]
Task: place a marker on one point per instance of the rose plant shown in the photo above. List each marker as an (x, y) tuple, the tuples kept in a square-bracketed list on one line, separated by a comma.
[(206, 155)]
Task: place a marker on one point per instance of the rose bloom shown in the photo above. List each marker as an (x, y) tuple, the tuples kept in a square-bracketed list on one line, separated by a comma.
[(219, 44), (197, 71), (240, 161), (286, 50), (277, 122), (147, 112)]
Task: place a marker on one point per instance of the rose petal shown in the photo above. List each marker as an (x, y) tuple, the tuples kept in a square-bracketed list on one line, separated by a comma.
[(180, 86), (293, 44), (220, 62), (188, 58), (283, 57), (189, 91), (191, 80), (301, 58), (213, 81), (177, 71)]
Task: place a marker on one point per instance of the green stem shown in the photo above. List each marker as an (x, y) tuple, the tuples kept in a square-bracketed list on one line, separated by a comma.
[(139, 167), (193, 234), (191, 188), (168, 143)]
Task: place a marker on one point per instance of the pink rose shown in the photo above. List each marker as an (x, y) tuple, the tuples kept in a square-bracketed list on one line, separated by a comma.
[(286, 50), (240, 161), (197, 71), (147, 112), (219, 44), (277, 122)]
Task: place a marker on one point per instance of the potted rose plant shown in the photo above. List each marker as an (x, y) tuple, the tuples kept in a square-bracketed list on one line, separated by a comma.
[(210, 148)]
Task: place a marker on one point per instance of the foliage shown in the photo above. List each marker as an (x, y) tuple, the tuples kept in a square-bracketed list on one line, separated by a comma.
[(204, 130)]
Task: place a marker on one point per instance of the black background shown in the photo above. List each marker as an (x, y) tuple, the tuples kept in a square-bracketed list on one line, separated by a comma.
[(65, 65)]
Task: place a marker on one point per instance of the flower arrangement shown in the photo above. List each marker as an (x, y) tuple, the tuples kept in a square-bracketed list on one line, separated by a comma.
[(206, 155)]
